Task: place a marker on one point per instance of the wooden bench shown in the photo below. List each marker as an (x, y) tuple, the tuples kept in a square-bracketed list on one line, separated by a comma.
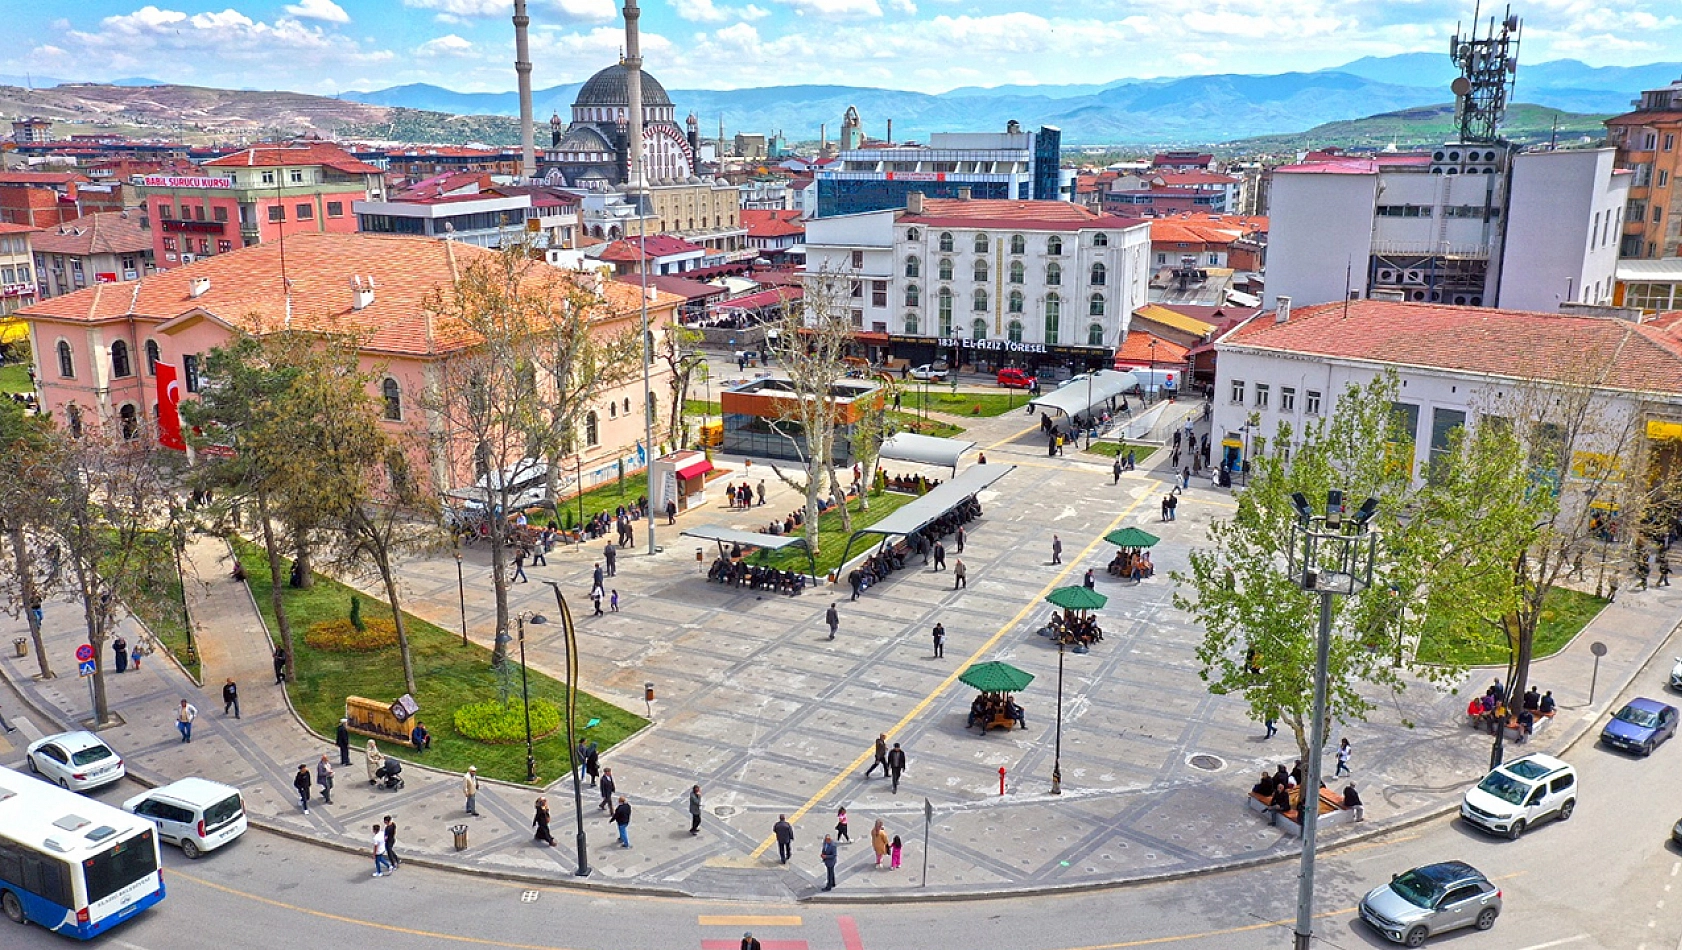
[(1332, 812), (1536, 728)]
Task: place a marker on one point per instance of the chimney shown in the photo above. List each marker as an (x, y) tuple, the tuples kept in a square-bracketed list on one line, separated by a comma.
[(362, 295), (914, 202), (199, 287), (1283, 311), (963, 194), (890, 131)]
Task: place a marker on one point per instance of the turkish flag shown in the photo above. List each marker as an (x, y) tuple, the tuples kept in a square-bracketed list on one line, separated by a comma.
[(169, 401)]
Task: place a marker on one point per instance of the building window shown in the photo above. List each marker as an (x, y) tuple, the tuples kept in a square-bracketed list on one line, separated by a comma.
[(910, 324), (1238, 391), (944, 306), (946, 325), (73, 415), (296, 176), (981, 244), (1664, 178), (169, 244), (1053, 315), (858, 256), (1018, 244), (1263, 393), (1162, 258), (120, 368), (166, 212), (1016, 301), (1311, 402), (592, 429), (613, 410), (981, 272), (306, 212), (190, 372), (944, 269), (223, 247), (946, 241), (980, 301), (913, 267), (219, 213), (1053, 275), (878, 293), (1098, 275), (913, 296), (1095, 307), (1018, 273), (978, 329), (912, 234), (1095, 335), (1054, 247), (129, 422), (855, 289), (268, 178), (393, 398), (335, 209), (1013, 332), (1214, 260), (66, 360), (1100, 240), (1669, 141), (1287, 399), (151, 357), (277, 213)]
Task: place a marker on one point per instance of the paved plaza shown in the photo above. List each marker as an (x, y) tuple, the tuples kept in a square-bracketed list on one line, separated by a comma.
[(770, 717)]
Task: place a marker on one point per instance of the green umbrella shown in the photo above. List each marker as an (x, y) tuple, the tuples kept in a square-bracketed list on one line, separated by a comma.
[(996, 677), (1077, 598), (1131, 538)]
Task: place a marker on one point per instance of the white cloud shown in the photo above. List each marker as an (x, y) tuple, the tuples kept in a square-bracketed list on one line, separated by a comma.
[(325, 10), (589, 11), (447, 45), (221, 48), (463, 8), (705, 11), (835, 9), (903, 6)]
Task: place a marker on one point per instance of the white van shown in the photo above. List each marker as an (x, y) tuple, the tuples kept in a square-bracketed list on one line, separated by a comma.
[(1519, 793), (195, 813)]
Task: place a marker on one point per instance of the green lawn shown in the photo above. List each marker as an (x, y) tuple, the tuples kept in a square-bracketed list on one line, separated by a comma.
[(1564, 613), (1141, 450), (14, 378), (942, 399), (933, 425), (700, 408), (831, 538), (447, 674), (151, 588), (607, 497)]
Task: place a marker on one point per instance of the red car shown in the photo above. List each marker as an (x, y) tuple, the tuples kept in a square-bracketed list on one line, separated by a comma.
[(1015, 378)]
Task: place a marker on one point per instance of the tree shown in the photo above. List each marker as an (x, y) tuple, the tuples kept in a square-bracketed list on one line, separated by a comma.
[(26, 444), (869, 432), (677, 351)]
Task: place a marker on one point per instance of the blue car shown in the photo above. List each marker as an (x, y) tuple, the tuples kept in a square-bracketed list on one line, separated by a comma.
[(1640, 726)]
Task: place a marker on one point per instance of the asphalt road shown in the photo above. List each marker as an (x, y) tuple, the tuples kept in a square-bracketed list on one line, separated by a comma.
[(1601, 880)]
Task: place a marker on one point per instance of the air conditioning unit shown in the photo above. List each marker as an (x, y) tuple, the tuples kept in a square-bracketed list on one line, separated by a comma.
[(1386, 275), (187, 258), (1413, 276)]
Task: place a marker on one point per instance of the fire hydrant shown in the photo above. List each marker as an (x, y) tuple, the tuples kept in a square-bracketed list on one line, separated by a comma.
[(1001, 780)]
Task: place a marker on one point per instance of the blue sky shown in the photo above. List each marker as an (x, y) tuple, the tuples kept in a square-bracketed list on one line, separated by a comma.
[(325, 46)]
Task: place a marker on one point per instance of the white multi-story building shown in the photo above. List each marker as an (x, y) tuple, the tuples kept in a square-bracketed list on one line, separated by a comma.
[(1467, 224), (1049, 285)]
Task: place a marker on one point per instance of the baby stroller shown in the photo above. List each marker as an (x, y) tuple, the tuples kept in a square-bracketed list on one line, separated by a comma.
[(390, 774)]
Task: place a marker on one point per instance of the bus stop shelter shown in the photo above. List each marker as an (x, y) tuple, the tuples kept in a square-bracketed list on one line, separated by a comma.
[(1081, 397), (925, 450), (753, 539), (925, 510)]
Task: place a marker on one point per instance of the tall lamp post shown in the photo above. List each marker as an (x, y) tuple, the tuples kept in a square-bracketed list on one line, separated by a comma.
[(1150, 381), (1332, 555), (571, 638), (1057, 755), (461, 594), (525, 687)]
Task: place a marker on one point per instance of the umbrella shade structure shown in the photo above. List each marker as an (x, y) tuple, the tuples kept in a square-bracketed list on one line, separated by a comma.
[(996, 677), (1131, 538), (1077, 598)]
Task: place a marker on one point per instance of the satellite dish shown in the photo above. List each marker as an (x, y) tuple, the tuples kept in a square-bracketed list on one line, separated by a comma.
[(1460, 86)]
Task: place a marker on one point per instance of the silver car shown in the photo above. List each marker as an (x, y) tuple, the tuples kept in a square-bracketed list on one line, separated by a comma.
[(1428, 900)]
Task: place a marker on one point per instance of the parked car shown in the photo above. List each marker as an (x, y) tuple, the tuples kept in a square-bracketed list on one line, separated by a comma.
[(197, 814), (1641, 726), (1676, 674), (1014, 378), (75, 760), (1428, 900), (1519, 793), (933, 372)]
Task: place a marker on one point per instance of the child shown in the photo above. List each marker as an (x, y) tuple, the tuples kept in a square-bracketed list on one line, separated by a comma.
[(135, 653), (893, 849), (841, 825), (613, 602)]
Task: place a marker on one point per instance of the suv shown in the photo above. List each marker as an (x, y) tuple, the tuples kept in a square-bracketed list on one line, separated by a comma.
[(195, 813), (1014, 378), (1430, 900), (1520, 793)]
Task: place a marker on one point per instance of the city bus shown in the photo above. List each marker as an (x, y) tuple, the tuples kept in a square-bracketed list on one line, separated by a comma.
[(71, 864)]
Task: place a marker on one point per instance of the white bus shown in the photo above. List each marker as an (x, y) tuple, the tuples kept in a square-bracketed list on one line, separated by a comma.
[(71, 864)]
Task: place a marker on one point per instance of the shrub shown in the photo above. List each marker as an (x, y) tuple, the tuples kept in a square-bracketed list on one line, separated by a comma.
[(341, 636), (492, 722), (356, 614)]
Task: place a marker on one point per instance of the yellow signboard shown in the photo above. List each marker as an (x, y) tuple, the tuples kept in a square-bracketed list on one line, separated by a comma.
[(1596, 466), (1660, 431)]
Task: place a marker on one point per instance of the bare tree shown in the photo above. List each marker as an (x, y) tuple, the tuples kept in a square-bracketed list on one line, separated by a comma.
[(677, 351)]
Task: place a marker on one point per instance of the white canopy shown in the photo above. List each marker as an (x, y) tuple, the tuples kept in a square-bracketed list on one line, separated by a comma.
[(924, 449), (1079, 396)]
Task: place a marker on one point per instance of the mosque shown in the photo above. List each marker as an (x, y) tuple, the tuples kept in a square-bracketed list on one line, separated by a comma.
[(593, 151)]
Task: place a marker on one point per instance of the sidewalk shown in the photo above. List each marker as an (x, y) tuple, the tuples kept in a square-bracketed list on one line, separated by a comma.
[(767, 715)]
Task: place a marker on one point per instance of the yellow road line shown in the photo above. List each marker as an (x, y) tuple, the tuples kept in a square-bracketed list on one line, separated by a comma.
[(1013, 438), (714, 920), (951, 678), (1180, 938)]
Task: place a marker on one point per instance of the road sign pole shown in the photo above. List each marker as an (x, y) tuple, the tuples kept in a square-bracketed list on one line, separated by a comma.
[(928, 819)]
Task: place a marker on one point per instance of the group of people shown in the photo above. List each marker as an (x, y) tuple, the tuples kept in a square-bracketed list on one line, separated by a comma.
[(791, 521), (1283, 792), (741, 496), (738, 573), (1492, 710), (1132, 563), (988, 708), (907, 484), (1076, 629)]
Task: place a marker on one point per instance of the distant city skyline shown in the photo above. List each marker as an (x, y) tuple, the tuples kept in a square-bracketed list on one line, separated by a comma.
[(328, 46)]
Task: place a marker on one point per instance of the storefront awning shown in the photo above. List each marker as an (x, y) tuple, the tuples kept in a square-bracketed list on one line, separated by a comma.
[(1079, 396), (700, 466), (924, 449)]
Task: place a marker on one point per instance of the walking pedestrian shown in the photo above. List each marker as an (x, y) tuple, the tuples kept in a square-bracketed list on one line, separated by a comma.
[(833, 618), (613, 601), (592, 764), (390, 830), (1343, 753), (1185, 478), (879, 840), (324, 778), (1174, 505), (671, 512), (841, 824), (381, 863), (939, 556), (896, 765), (596, 601), (596, 576), (184, 716), (610, 554), (622, 818), (959, 578), (1115, 472), (607, 786), (939, 640), (519, 575), (119, 646), (35, 610), (301, 782), (762, 491), (1056, 549), (375, 760), (230, 697), (881, 756), (785, 839), (960, 535), (540, 821), (830, 852), (135, 653), (1664, 569), (1272, 725), (695, 809), (894, 848), (470, 790), (539, 553), (279, 665), (749, 942)]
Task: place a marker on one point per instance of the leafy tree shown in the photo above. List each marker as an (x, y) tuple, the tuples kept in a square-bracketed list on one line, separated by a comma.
[(26, 446)]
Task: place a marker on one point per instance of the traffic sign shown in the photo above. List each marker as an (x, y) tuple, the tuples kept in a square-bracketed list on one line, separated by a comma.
[(84, 653), (84, 668)]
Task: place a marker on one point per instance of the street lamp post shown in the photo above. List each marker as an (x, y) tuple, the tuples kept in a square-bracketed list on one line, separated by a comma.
[(525, 688), (571, 639), (1057, 755), (1089, 423), (1150, 380), (461, 594), (1330, 555)]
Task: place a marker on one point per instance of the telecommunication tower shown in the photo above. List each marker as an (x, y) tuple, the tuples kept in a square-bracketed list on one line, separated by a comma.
[(1488, 65)]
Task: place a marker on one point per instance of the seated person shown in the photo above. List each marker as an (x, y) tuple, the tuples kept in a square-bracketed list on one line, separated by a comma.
[(1546, 705), (977, 711), (1264, 788), (1352, 801), (1017, 713), (1526, 724), (1474, 709), (1145, 565), (1089, 582), (1532, 699), (1281, 802), (421, 738)]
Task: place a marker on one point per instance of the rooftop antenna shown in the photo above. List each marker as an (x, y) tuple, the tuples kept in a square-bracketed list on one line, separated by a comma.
[(1488, 66)]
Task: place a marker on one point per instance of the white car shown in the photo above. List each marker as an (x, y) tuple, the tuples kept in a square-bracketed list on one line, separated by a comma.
[(1676, 674), (1517, 794), (75, 760), (197, 814), (933, 372)]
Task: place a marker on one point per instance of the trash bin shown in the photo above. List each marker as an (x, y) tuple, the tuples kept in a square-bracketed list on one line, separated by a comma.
[(460, 831), (21, 644)]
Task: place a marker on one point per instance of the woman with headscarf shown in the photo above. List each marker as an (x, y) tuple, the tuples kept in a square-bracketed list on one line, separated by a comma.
[(879, 840), (540, 821), (376, 759)]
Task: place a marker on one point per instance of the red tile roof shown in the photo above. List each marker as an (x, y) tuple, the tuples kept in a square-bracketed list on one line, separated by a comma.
[(763, 298), (1644, 118), (1194, 178), (40, 178), (246, 292), (105, 232), (769, 224), (1344, 165), (1136, 348), (9, 228), (676, 286), (443, 184), (1008, 213), (658, 245), (1505, 343), (299, 153)]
